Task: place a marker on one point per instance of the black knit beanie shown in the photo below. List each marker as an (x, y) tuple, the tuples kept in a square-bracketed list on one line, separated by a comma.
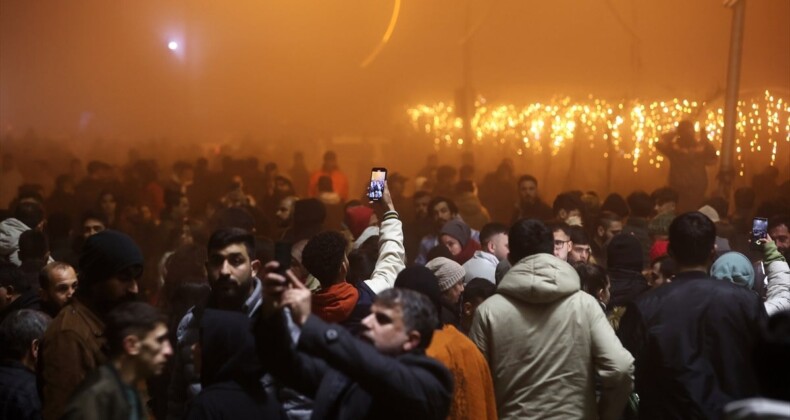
[(107, 253), (422, 280), (625, 253)]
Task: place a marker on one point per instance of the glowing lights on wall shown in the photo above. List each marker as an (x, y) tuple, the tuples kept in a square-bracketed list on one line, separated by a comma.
[(628, 129)]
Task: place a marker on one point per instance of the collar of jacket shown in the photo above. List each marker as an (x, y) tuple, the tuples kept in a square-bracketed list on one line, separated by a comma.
[(690, 275), (94, 323)]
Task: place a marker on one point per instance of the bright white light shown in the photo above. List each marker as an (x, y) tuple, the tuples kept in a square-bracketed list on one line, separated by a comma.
[(172, 45)]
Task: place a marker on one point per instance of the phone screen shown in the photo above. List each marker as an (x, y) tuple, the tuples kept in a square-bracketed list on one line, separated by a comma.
[(377, 178), (282, 254), (759, 229)]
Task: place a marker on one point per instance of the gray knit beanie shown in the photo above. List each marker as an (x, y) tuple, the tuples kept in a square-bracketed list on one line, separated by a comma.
[(447, 271)]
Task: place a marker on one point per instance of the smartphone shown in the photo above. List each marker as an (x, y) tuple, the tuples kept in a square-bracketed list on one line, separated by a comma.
[(376, 188), (759, 230), (282, 254)]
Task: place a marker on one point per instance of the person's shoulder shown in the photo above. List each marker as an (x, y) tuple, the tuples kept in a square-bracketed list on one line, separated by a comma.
[(425, 363), (68, 320), (99, 381), (492, 304)]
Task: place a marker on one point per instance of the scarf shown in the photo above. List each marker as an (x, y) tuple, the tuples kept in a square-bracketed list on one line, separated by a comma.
[(336, 302)]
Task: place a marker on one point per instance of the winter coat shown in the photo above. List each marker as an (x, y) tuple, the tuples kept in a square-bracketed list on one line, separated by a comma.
[(231, 373), (71, 348), (778, 295), (693, 341), (349, 304), (482, 265), (10, 230), (350, 379), (626, 285), (103, 397), (28, 300), (185, 383), (18, 395), (545, 340), (473, 393)]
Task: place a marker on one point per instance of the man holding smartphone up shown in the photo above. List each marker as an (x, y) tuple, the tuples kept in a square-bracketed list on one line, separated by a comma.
[(325, 258)]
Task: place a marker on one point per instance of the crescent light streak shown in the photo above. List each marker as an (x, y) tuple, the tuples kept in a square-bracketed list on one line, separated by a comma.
[(387, 34)]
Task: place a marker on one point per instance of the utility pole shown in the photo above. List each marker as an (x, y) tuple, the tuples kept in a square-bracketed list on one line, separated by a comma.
[(726, 167), (464, 96)]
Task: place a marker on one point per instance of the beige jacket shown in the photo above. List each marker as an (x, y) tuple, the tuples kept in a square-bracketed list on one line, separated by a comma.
[(545, 340)]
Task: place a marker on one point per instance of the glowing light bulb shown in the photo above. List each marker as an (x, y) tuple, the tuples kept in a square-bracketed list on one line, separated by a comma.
[(172, 45)]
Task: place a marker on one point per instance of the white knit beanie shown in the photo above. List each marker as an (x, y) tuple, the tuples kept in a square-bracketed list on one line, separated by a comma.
[(447, 271)]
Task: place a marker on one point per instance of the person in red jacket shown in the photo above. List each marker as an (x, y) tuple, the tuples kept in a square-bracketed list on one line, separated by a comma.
[(330, 169)]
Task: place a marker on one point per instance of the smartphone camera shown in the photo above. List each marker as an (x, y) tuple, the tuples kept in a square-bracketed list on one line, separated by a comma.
[(759, 231), (282, 254), (377, 178)]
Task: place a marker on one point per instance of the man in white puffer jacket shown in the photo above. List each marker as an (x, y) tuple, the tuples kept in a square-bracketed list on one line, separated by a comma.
[(546, 341)]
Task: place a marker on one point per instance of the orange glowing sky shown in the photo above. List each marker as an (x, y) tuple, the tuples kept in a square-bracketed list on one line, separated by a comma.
[(264, 67)]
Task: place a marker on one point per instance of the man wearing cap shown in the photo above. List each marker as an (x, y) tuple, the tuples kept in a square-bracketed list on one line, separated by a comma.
[(451, 285), (109, 267)]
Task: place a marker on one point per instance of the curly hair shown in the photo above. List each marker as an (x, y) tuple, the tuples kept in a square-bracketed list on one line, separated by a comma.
[(323, 255)]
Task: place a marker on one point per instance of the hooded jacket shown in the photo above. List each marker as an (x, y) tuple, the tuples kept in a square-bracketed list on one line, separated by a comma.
[(545, 340), (10, 230), (185, 383), (230, 371)]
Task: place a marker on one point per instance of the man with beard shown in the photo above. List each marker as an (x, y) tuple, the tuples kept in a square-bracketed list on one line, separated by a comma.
[(284, 214), (530, 205), (443, 210), (58, 282), (778, 229), (232, 270), (109, 266)]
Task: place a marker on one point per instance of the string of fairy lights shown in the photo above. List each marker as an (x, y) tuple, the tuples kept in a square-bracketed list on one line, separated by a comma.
[(629, 129)]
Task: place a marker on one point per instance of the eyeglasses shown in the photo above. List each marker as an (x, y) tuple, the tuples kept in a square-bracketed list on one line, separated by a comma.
[(558, 243)]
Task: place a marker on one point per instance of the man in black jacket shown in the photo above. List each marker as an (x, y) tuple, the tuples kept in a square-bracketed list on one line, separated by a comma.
[(693, 338), (348, 378)]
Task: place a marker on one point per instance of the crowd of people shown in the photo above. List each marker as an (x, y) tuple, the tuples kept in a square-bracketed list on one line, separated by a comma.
[(240, 293)]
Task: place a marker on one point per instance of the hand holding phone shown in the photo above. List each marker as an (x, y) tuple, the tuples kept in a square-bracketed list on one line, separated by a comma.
[(282, 254), (759, 231), (378, 176)]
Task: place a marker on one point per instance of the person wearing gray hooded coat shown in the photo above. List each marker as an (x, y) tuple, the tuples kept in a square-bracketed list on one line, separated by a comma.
[(545, 339)]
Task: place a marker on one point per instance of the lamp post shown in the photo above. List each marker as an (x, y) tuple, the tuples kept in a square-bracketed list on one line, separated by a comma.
[(726, 168)]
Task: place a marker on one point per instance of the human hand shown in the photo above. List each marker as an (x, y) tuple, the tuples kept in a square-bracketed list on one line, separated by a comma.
[(274, 286), (574, 221), (299, 299), (384, 205)]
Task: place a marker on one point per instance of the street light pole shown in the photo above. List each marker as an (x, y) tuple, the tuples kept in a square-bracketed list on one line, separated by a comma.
[(726, 167)]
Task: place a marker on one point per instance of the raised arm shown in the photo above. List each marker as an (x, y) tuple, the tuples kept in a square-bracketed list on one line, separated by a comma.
[(392, 254), (777, 298)]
